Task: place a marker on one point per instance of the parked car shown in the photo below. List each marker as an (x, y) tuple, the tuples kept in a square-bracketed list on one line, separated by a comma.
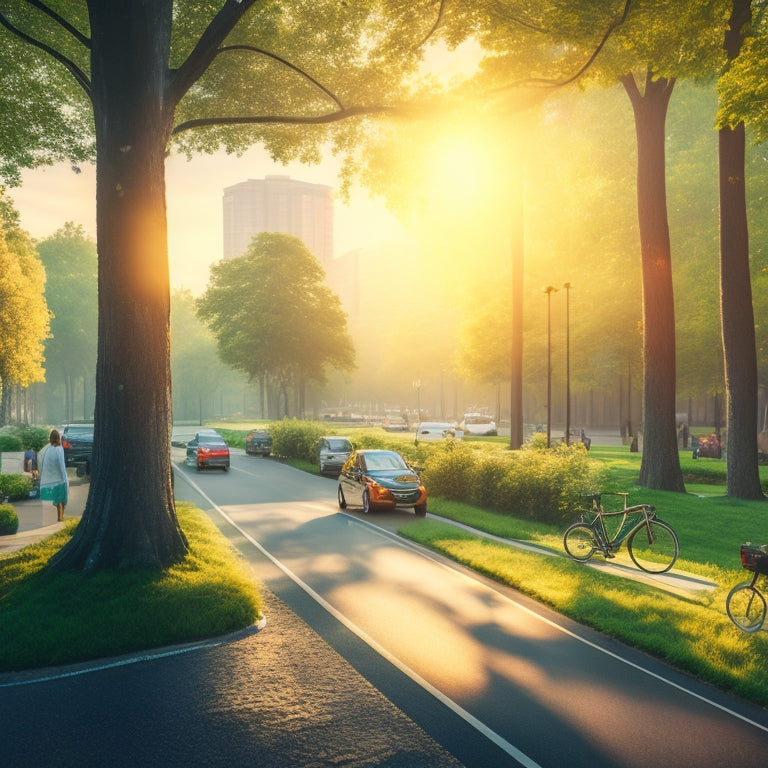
[(375, 479), (77, 442), (478, 424), (208, 449), (258, 442), (332, 453), (435, 430)]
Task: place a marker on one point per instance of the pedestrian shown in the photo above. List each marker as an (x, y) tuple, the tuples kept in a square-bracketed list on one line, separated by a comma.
[(30, 462), (54, 486)]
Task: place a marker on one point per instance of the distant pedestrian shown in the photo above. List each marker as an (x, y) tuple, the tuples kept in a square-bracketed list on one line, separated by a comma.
[(30, 462), (54, 485)]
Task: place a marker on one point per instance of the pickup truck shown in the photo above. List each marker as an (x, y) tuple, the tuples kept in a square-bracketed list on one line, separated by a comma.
[(77, 441)]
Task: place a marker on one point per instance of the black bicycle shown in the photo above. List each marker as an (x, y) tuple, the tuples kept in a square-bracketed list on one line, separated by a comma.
[(652, 544), (745, 603)]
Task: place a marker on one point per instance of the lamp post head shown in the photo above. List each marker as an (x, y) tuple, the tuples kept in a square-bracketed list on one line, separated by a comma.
[(566, 286), (549, 289)]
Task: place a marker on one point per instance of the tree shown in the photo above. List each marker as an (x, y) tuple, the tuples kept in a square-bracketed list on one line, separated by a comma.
[(24, 315), (70, 261), (738, 321), (196, 369), (153, 70), (273, 316)]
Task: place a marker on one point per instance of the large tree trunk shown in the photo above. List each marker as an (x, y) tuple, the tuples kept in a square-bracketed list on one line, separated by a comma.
[(736, 312), (660, 466), (130, 518)]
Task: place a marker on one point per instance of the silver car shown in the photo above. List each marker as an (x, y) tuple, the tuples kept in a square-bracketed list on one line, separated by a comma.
[(332, 452)]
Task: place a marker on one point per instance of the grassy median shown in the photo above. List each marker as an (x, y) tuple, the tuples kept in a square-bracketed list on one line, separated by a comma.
[(48, 619)]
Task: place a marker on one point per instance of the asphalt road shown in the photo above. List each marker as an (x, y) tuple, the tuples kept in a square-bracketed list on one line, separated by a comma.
[(470, 671), (536, 686)]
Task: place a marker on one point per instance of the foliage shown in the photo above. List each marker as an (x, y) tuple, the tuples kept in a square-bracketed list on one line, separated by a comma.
[(15, 487), (30, 436), (10, 442), (197, 371), (295, 439), (48, 118), (70, 260), (9, 520), (537, 483), (52, 618), (24, 315), (273, 316)]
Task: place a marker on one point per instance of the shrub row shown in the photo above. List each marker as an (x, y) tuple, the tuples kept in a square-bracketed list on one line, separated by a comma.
[(538, 483), (15, 486), (20, 437)]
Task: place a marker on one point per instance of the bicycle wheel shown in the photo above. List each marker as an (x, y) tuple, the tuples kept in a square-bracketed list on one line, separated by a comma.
[(579, 542), (746, 607), (654, 553)]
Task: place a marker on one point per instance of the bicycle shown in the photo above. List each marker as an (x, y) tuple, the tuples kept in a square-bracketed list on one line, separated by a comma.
[(745, 603), (652, 544)]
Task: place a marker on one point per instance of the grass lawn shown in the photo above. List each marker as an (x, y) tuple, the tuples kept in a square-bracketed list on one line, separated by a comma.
[(48, 619), (694, 635)]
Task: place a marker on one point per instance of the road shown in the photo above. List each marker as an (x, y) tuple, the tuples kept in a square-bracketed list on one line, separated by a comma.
[(541, 689), (477, 673)]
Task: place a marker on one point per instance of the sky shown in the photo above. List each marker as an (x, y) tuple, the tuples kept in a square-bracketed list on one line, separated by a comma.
[(50, 197)]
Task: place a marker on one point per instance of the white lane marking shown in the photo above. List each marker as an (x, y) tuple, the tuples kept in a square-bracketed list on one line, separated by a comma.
[(502, 743)]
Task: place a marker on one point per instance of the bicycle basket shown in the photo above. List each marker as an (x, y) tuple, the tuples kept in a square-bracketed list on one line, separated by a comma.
[(755, 558)]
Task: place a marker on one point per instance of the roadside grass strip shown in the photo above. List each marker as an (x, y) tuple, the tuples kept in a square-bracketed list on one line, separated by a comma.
[(693, 635), (48, 619)]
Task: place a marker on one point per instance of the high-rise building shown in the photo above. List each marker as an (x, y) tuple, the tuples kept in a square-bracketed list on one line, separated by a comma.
[(279, 204)]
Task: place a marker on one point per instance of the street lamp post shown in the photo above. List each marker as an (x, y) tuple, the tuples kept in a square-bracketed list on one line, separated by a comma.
[(417, 387), (567, 287), (549, 290)]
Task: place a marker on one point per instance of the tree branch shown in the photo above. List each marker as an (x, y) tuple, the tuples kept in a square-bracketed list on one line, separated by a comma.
[(286, 63), (615, 24), (74, 70), (61, 21), (207, 47), (329, 117)]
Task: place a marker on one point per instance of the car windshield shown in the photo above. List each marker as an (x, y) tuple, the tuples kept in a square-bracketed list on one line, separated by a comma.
[(79, 431), (385, 461), (339, 445), (210, 439)]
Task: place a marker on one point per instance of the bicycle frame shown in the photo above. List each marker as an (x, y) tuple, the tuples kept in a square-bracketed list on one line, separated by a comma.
[(643, 514)]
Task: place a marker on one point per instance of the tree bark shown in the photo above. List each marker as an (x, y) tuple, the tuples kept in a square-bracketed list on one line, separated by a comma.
[(130, 518), (660, 465), (736, 311)]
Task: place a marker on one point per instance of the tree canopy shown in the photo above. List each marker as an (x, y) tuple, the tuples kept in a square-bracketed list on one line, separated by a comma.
[(273, 316), (24, 315)]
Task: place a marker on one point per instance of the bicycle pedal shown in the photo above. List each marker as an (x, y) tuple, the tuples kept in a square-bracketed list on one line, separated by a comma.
[(607, 553)]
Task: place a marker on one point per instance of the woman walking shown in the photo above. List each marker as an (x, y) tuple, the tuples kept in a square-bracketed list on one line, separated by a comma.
[(54, 485)]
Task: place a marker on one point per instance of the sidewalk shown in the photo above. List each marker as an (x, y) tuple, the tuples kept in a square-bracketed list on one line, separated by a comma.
[(37, 518)]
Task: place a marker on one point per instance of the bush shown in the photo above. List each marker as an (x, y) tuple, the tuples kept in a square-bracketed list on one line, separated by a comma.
[(15, 487), (538, 483), (294, 439), (11, 443), (9, 520)]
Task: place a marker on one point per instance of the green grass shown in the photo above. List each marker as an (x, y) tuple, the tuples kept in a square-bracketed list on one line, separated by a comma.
[(693, 634), (48, 619)]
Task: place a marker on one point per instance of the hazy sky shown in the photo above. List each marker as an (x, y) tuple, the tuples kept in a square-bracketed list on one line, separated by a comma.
[(50, 197)]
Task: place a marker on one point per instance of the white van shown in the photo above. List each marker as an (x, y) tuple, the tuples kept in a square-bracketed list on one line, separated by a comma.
[(437, 430)]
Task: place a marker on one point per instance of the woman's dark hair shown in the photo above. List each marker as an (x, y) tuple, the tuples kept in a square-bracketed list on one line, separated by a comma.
[(55, 438)]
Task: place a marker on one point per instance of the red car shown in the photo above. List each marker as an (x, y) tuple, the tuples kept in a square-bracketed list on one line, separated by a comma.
[(208, 449)]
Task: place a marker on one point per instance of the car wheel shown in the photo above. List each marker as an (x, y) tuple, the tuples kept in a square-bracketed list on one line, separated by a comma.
[(366, 501), (342, 500), (421, 509), (226, 469)]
